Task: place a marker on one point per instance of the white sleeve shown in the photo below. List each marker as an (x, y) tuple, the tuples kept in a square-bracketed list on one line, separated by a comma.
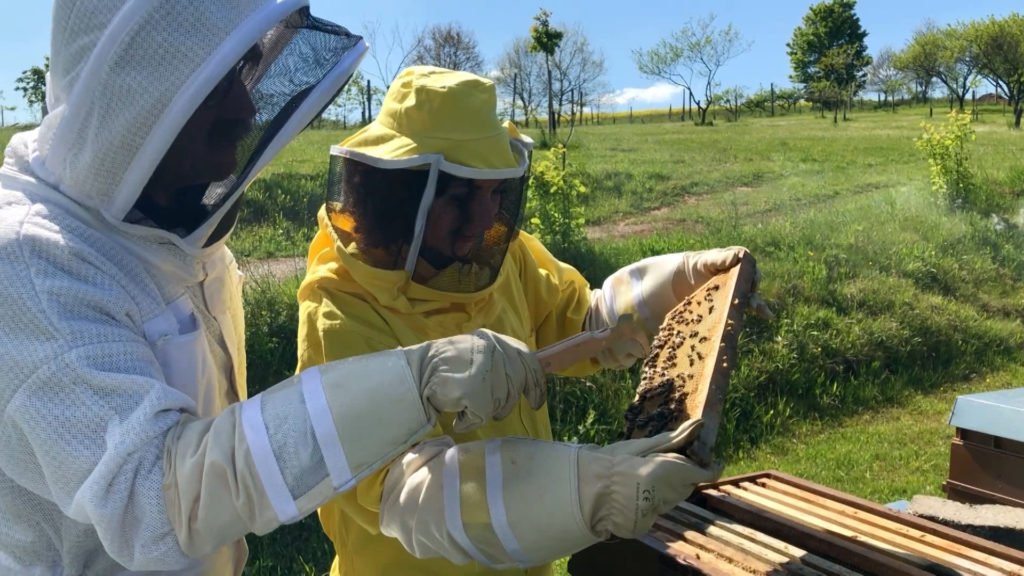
[(114, 449), (280, 455), (510, 502)]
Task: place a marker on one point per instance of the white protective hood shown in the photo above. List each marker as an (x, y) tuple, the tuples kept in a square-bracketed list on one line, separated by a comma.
[(127, 75)]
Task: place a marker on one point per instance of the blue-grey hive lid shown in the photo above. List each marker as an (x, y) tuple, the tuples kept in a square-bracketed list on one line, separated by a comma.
[(998, 413)]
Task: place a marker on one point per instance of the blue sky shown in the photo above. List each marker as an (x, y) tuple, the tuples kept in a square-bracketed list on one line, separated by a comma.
[(615, 28)]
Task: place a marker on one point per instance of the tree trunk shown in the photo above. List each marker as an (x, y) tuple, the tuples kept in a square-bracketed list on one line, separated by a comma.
[(515, 82), (1017, 110), (551, 101)]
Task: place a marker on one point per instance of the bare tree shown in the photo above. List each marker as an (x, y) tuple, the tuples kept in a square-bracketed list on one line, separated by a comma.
[(390, 49), (522, 71), (885, 77), (448, 46), (577, 67), (696, 51)]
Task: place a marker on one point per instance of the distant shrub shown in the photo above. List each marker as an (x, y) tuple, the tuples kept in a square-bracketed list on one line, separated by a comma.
[(949, 167), (554, 206)]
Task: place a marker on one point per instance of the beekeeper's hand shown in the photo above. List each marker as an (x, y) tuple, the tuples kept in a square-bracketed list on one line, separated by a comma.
[(626, 485), (645, 291), (478, 376), (523, 502)]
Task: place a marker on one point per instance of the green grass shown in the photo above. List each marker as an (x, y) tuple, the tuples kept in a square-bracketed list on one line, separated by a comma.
[(887, 301)]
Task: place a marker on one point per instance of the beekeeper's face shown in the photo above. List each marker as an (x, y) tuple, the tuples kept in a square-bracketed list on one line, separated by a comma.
[(205, 149)]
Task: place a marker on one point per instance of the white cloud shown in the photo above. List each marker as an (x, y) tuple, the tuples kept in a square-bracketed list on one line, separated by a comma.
[(658, 93)]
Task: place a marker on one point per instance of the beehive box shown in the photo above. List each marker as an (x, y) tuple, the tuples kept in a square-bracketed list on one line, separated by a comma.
[(770, 524), (687, 371), (986, 454)]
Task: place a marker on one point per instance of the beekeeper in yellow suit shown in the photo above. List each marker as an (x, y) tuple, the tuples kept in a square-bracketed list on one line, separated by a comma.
[(420, 239)]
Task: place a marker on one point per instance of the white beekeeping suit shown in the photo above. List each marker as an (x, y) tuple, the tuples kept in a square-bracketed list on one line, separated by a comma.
[(126, 440)]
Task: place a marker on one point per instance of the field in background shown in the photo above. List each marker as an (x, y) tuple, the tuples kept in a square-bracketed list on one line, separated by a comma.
[(888, 303)]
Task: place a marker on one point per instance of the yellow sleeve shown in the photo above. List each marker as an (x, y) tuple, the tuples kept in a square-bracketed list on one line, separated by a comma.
[(326, 334), (557, 295)]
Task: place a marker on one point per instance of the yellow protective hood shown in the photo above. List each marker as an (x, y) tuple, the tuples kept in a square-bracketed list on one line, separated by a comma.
[(429, 110)]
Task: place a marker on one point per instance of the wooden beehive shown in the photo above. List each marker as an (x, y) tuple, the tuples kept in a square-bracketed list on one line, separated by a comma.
[(686, 374), (770, 524)]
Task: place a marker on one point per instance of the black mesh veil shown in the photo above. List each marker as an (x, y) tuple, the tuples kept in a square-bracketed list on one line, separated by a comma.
[(383, 214), (297, 56)]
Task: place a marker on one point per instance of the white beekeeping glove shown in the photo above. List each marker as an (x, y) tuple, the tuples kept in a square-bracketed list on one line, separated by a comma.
[(479, 376), (647, 290), (523, 502)]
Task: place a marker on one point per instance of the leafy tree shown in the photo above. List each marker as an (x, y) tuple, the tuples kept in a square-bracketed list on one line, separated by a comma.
[(545, 39), (732, 99), (32, 85), (942, 53), (448, 46), (828, 52), (998, 50), (885, 77), (697, 50), (759, 101), (789, 98)]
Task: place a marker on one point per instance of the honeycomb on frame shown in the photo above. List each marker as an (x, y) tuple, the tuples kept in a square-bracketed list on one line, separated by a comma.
[(686, 374)]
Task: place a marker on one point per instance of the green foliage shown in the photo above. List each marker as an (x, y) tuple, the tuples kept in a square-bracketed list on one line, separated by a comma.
[(698, 49), (943, 54), (828, 50), (998, 48), (949, 167), (544, 38), (32, 85), (554, 209)]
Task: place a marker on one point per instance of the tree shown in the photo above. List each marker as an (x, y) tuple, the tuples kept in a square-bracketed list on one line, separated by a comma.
[(789, 98), (390, 50), (885, 77), (351, 98), (943, 54), (698, 49), (448, 46), (32, 85), (578, 68), (998, 50), (828, 52), (732, 99), (544, 39), (520, 77), (4, 108)]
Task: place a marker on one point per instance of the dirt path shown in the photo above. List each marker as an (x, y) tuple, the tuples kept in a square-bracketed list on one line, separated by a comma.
[(278, 268)]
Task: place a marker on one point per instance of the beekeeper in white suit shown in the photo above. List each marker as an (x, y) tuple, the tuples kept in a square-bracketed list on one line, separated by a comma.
[(126, 440)]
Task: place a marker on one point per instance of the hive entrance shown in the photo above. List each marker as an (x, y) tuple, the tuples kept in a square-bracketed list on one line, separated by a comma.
[(686, 374)]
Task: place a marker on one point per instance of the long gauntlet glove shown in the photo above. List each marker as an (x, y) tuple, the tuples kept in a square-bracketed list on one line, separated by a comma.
[(522, 502)]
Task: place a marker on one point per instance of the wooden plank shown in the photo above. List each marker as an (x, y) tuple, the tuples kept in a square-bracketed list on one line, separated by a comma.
[(927, 526), (706, 562), (851, 527), (751, 562), (794, 553), (853, 554), (958, 550), (681, 524)]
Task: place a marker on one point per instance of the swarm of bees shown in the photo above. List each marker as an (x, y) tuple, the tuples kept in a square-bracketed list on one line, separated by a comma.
[(686, 373)]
